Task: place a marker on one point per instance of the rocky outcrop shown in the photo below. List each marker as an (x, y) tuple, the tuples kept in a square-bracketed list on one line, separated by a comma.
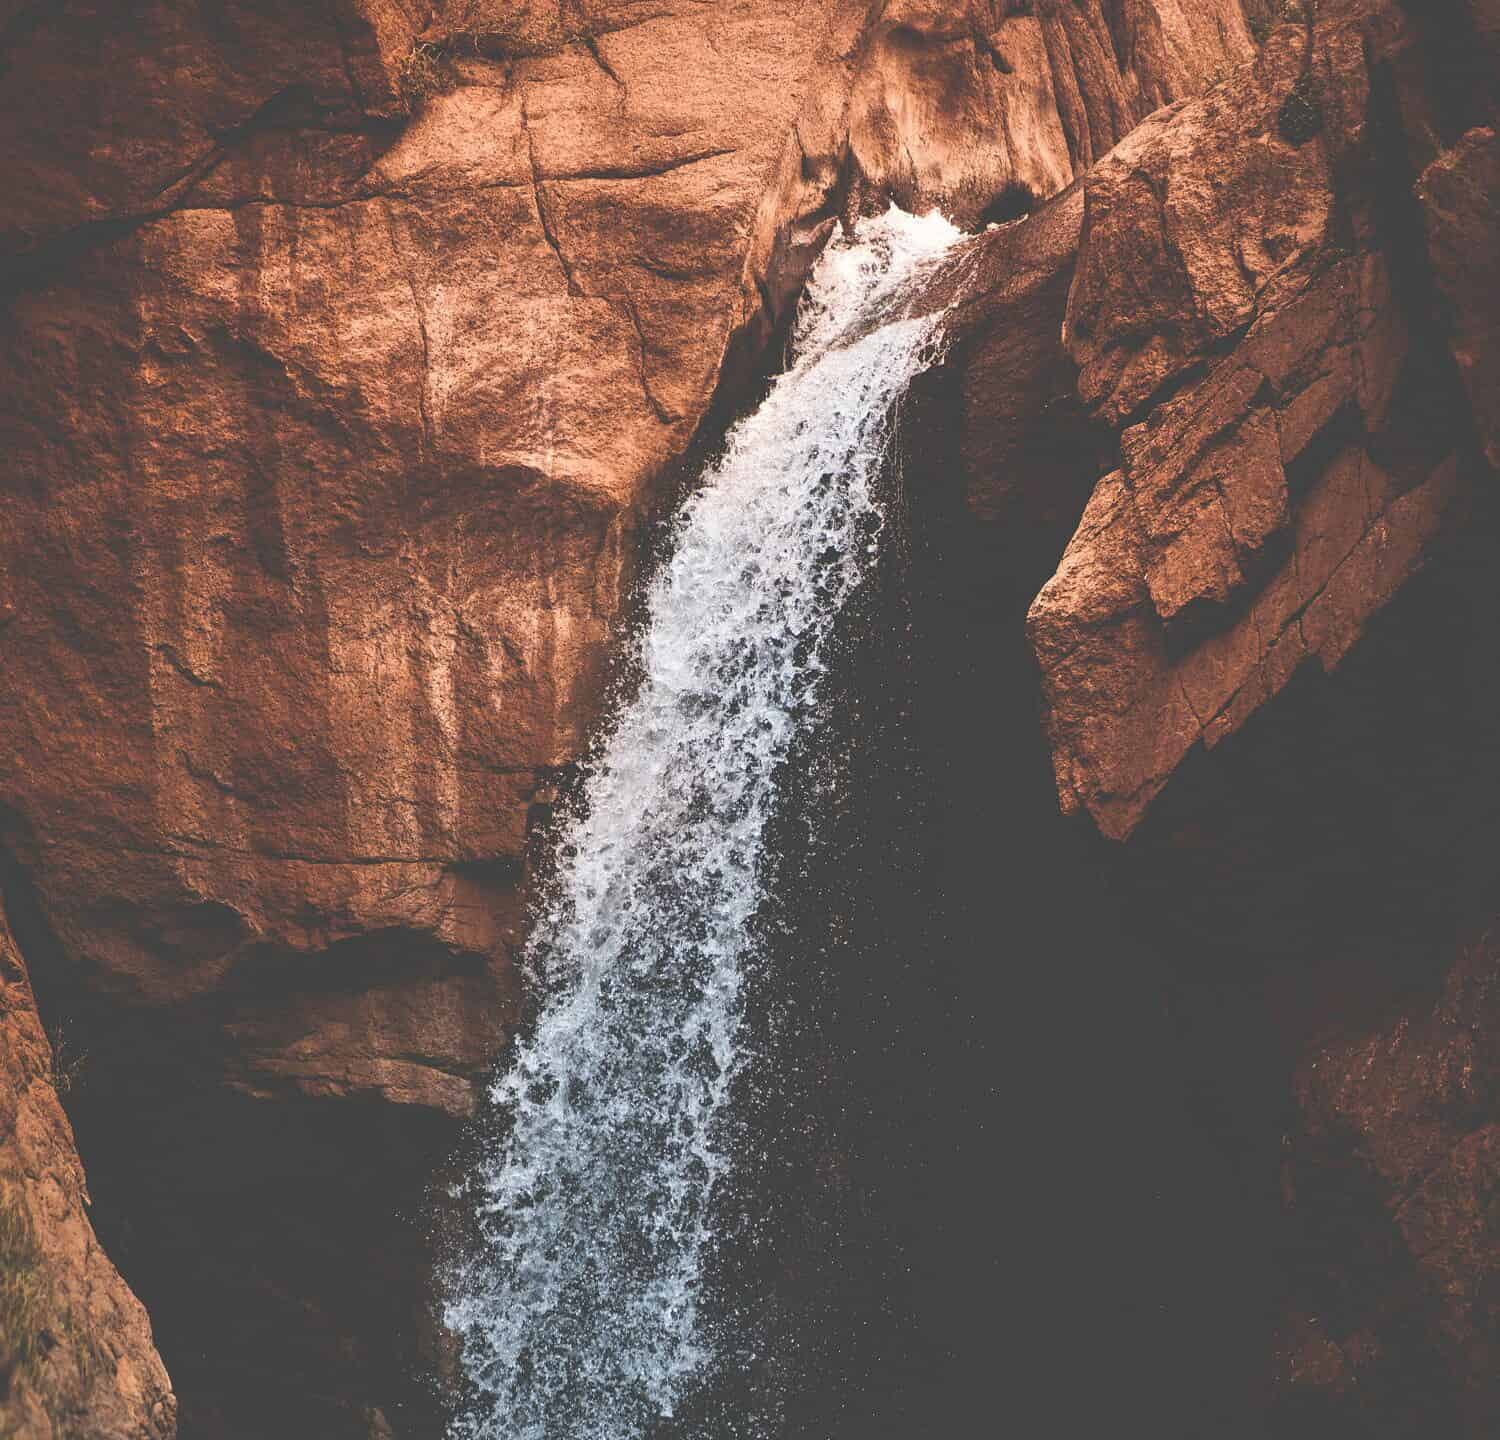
[(1023, 446), (1265, 662), (179, 95), (329, 494), (955, 102), (76, 1356), (1251, 310)]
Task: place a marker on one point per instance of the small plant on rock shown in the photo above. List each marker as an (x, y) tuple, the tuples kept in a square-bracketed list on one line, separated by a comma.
[(68, 1058), (425, 72)]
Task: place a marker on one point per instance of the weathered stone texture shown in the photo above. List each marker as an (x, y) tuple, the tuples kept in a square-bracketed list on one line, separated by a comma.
[(1244, 307), (76, 1356), (1389, 1184)]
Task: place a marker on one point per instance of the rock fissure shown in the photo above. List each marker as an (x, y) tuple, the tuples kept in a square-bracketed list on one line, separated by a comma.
[(424, 409), (170, 655), (590, 43), (657, 408), (538, 195)]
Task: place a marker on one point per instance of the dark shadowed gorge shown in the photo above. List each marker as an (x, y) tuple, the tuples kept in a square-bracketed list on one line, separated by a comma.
[(1127, 1004)]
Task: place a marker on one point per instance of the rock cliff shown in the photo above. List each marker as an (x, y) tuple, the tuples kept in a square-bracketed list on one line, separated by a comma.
[(332, 429), (1264, 304), (1253, 313)]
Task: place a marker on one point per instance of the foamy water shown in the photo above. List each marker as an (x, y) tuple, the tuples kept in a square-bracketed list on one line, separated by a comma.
[(583, 1314)]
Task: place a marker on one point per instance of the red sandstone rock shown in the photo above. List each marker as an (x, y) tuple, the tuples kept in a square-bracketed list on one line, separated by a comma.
[(954, 101), (1198, 221), (329, 436), (325, 465), (1014, 417), (322, 493), (76, 1357), (172, 94), (1212, 300)]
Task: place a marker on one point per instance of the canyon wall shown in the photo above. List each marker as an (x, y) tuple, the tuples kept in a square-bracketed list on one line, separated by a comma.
[(350, 354), (1239, 379), (348, 350)]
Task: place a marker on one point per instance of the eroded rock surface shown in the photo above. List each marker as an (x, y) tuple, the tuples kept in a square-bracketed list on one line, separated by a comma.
[(331, 432), (76, 1356), (337, 408), (957, 101), (1250, 306), (322, 493)]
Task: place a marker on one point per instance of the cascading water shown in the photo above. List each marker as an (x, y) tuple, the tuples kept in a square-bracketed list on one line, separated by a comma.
[(582, 1313)]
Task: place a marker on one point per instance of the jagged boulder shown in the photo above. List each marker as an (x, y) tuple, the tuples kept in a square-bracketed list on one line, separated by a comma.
[(1248, 309)]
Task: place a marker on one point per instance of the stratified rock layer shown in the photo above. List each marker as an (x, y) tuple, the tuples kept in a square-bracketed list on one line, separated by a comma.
[(1251, 311)]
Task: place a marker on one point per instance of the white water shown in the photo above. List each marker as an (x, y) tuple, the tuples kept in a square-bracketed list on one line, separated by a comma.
[(583, 1315)]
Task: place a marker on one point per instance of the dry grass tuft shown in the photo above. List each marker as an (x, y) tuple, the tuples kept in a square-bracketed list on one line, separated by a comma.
[(426, 72)]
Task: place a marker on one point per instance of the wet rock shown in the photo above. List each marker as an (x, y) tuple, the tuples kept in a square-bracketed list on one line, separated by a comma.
[(334, 416)]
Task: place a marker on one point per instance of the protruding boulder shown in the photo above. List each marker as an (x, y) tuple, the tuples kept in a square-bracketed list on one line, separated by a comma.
[(1248, 306)]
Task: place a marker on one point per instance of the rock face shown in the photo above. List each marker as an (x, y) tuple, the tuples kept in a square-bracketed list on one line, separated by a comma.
[(346, 352), (1390, 1181), (326, 495), (1252, 314), (956, 101), (76, 1356), (1265, 319)]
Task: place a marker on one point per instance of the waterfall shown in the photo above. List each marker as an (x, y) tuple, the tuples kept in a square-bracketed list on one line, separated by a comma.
[(582, 1313)]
